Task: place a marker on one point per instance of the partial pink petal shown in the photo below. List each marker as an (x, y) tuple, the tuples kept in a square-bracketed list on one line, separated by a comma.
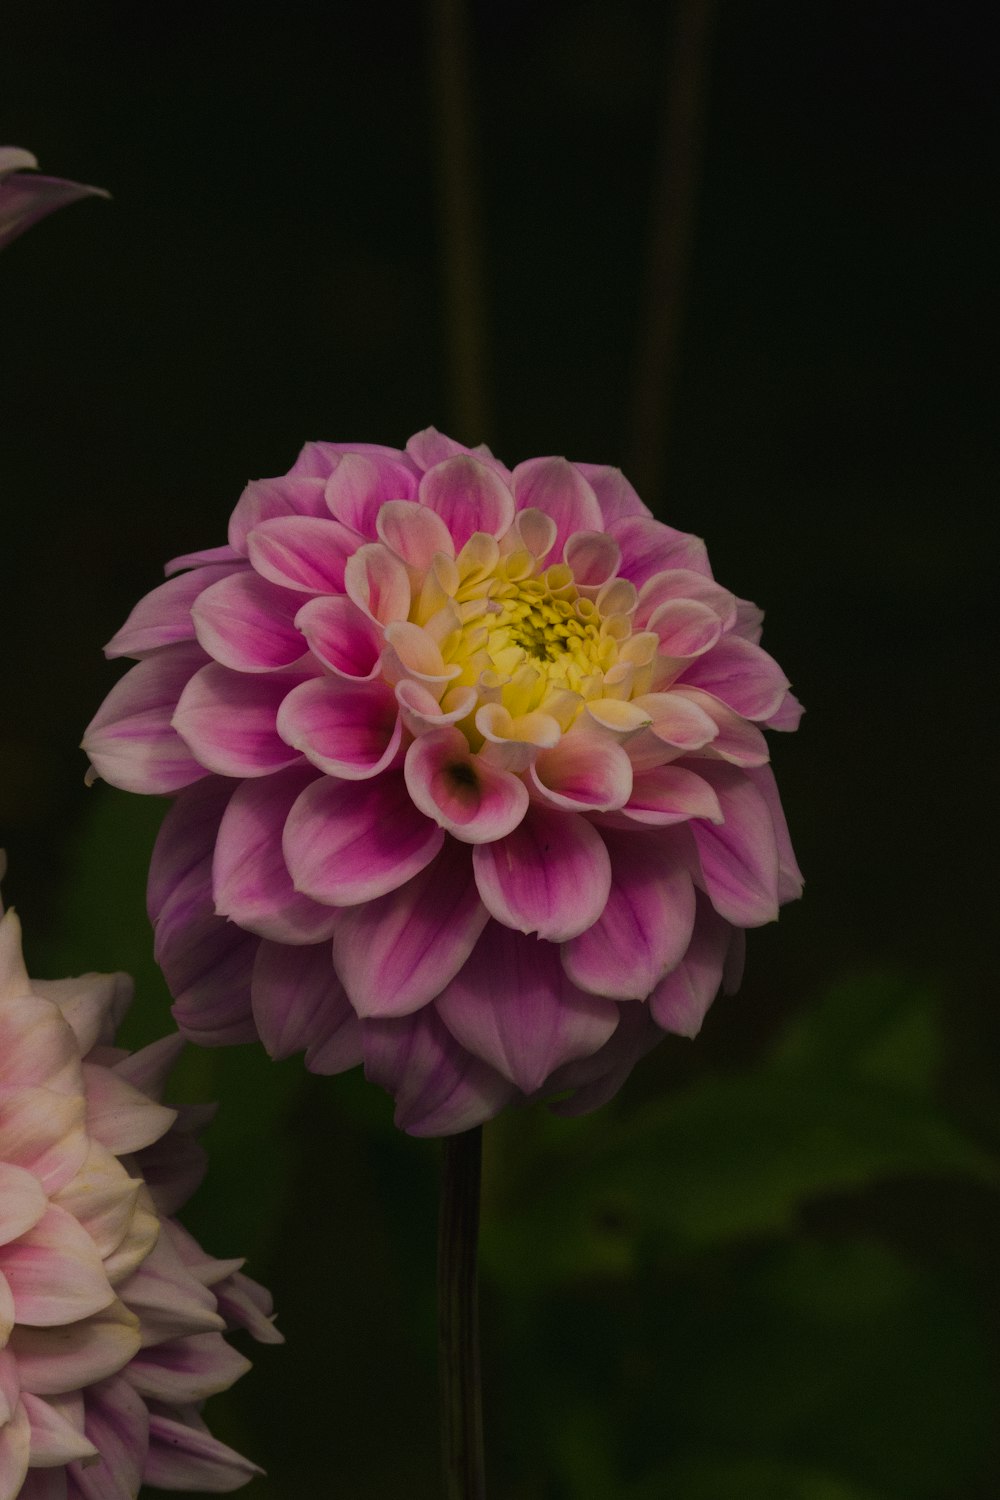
[(207, 963), (395, 954), (377, 580), (347, 842), (169, 1301), (187, 1369), (43, 1132), (676, 721), (736, 740), (102, 1198), (513, 1006), (790, 881), (320, 459), (421, 712), (185, 1458), (686, 627), (300, 1004), (121, 1118), (743, 676), (117, 1423), (51, 1361), (474, 801), (749, 620), (247, 623), (22, 1202), (244, 1303), (559, 489), (36, 1046), (205, 557), (597, 1079), (228, 719), (646, 925), (680, 1000), (671, 794), (787, 715), (250, 880), (344, 639), (55, 1272), (15, 1441), (362, 483), (469, 496), (649, 547), (428, 448), (593, 556), (93, 1004), (551, 875), (149, 1068), (684, 583), (264, 499), (439, 1088), (55, 1440), (163, 616), (414, 533), (583, 773), (27, 197), (305, 553), (185, 842), (347, 729), (130, 740), (615, 495), (739, 859)]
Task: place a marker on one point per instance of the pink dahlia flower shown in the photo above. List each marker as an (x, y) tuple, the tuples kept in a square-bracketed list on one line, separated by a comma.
[(471, 780), (111, 1315), (24, 199)]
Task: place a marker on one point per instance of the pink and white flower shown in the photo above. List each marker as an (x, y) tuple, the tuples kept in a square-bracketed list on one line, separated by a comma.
[(470, 775), (111, 1316), (26, 196)]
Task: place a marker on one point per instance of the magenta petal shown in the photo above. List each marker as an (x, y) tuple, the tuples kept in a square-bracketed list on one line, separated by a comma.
[(299, 1004), (513, 1005), (264, 499), (342, 637), (475, 801), (347, 842), (646, 925), (204, 557), (305, 553), (671, 794), (247, 623), (468, 496), (743, 676), (163, 616), (680, 1000), (615, 495), (551, 875), (739, 859), (559, 489), (438, 1087), (250, 880), (229, 720), (649, 547), (787, 715), (130, 740), (347, 729), (360, 485), (397, 953)]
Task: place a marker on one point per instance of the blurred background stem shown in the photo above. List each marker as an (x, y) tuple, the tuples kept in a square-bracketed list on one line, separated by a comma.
[(458, 1317)]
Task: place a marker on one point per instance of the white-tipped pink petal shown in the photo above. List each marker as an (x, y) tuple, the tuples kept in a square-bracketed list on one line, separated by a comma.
[(559, 489), (248, 623), (671, 794), (474, 801), (743, 676), (304, 553), (686, 628), (229, 720), (646, 924), (421, 712), (251, 883), (738, 859), (378, 583), (649, 547), (342, 637), (593, 556), (414, 533), (55, 1440), (552, 875), (265, 499), (163, 616), (131, 741), (362, 483), (680, 1000), (119, 1117), (583, 773), (22, 1201), (347, 729), (597, 1079), (439, 1088), (348, 842), (55, 1272), (736, 740), (469, 496), (395, 954), (427, 448), (187, 1369), (299, 1004), (513, 1006), (412, 653), (787, 716), (43, 1132)]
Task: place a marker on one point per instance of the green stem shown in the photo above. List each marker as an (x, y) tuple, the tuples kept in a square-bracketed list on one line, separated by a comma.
[(458, 1318)]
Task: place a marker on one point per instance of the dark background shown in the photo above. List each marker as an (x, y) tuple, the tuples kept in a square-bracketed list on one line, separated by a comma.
[(769, 1268)]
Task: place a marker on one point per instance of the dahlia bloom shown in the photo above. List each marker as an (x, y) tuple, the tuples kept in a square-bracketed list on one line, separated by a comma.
[(471, 783), (26, 199), (111, 1315)]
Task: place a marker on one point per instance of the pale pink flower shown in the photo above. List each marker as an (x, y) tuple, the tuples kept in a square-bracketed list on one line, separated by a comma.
[(472, 783), (111, 1315), (26, 196)]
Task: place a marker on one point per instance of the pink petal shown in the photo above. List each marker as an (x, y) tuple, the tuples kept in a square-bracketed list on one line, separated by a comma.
[(683, 583), (320, 459), (474, 801), (615, 495), (169, 1301), (36, 1046), (43, 1132), (93, 1004), (649, 547), (347, 729), (428, 448), (51, 1361), (120, 1117), (117, 1424), (299, 1004), (22, 1202), (343, 638), (265, 499), (130, 740), (185, 842), (184, 1458), (378, 583), (205, 557), (149, 1068), (559, 489), (414, 533), (551, 875), (645, 926), (27, 197), (677, 722), (244, 1303), (469, 496), (736, 739), (305, 553), (790, 881), (54, 1272), (247, 623), (228, 720), (250, 880), (680, 1000), (102, 1198), (395, 954), (739, 859), (749, 621), (362, 483), (513, 1006), (671, 794), (348, 842), (421, 712), (743, 676), (686, 627), (583, 773), (593, 556), (787, 715), (187, 1369), (15, 1438), (597, 1079), (163, 616), (207, 963), (54, 1439), (439, 1088)]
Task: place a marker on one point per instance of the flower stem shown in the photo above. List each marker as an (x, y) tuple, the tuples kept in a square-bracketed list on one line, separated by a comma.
[(458, 1318)]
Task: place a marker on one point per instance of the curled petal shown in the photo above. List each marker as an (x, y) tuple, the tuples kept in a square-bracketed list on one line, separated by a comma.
[(736, 740), (474, 801), (559, 489), (347, 729), (683, 583), (670, 794), (248, 623), (346, 842), (439, 1088), (131, 741), (414, 533), (342, 637), (551, 875), (583, 773), (305, 553), (299, 1004), (163, 616), (469, 497), (514, 742), (229, 720), (422, 712), (686, 628), (593, 556), (361, 484), (378, 583), (513, 1006)]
